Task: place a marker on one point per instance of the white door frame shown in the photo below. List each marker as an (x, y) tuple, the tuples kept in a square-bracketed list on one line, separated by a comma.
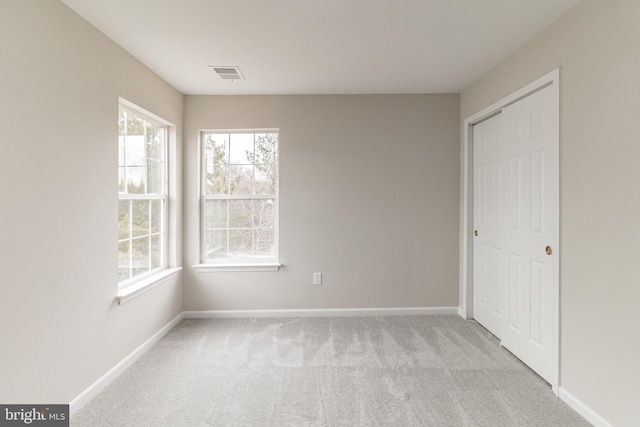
[(466, 247)]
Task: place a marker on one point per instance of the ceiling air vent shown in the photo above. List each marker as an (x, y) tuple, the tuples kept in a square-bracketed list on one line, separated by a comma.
[(228, 73)]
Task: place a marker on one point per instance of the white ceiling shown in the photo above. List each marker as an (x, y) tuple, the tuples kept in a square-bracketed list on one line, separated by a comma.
[(321, 46)]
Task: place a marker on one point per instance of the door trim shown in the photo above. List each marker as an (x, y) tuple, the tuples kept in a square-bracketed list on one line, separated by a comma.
[(466, 247)]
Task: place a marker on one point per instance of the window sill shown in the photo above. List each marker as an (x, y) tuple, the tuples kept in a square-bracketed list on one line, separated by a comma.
[(139, 287), (223, 268)]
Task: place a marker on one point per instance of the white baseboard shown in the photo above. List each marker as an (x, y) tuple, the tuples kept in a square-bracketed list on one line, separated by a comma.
[(107, 378), (579, 406), (461, 313), (329, 312)]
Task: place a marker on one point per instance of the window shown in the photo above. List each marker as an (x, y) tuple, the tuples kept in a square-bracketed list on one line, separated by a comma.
[(240, 197), (142, 177)]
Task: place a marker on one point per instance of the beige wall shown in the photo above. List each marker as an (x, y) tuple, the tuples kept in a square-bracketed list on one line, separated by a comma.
[(597, 45), (368, 196), (60, 80)]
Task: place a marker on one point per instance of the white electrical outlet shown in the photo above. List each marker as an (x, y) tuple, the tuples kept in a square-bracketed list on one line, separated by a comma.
[(317, 278)]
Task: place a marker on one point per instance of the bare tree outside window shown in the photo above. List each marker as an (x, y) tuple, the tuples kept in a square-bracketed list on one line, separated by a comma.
[(240, 187), (142, 194)]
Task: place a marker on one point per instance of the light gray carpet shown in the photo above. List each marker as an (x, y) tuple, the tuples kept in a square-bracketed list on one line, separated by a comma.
[(360, 371)]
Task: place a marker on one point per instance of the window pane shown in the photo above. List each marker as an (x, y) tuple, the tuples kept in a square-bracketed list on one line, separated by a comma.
[(217, 149), (135, 125), (216, 214), (134, 150), (241, 180), (154, 139), (263, 215), (140, 261), (123, 274), (140, 219), (266, 148), (216, 244), (156, 251), (124, 232), (266, 179), (124, 261), (240, 243), (154, 178), (156, 216), (121, 180), (121, 152), (216, 181), (240, 214), (241, 148), (136, 180), (265, 242), (122, 121)]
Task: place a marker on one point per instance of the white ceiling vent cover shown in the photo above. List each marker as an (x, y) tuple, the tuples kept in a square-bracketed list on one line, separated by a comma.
[(228, 72)]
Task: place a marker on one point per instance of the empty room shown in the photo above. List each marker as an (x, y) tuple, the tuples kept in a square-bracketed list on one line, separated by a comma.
[(320, 213)]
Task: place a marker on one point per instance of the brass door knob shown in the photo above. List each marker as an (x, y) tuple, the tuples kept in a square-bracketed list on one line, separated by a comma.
[(548, 250), (476, 233)]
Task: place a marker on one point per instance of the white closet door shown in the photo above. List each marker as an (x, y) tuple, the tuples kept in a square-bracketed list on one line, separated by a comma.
[(529, 301), (515, 173), (489, 169)]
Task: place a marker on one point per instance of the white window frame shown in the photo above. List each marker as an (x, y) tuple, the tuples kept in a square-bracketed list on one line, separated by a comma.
[(134, 286), (245, 264)]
